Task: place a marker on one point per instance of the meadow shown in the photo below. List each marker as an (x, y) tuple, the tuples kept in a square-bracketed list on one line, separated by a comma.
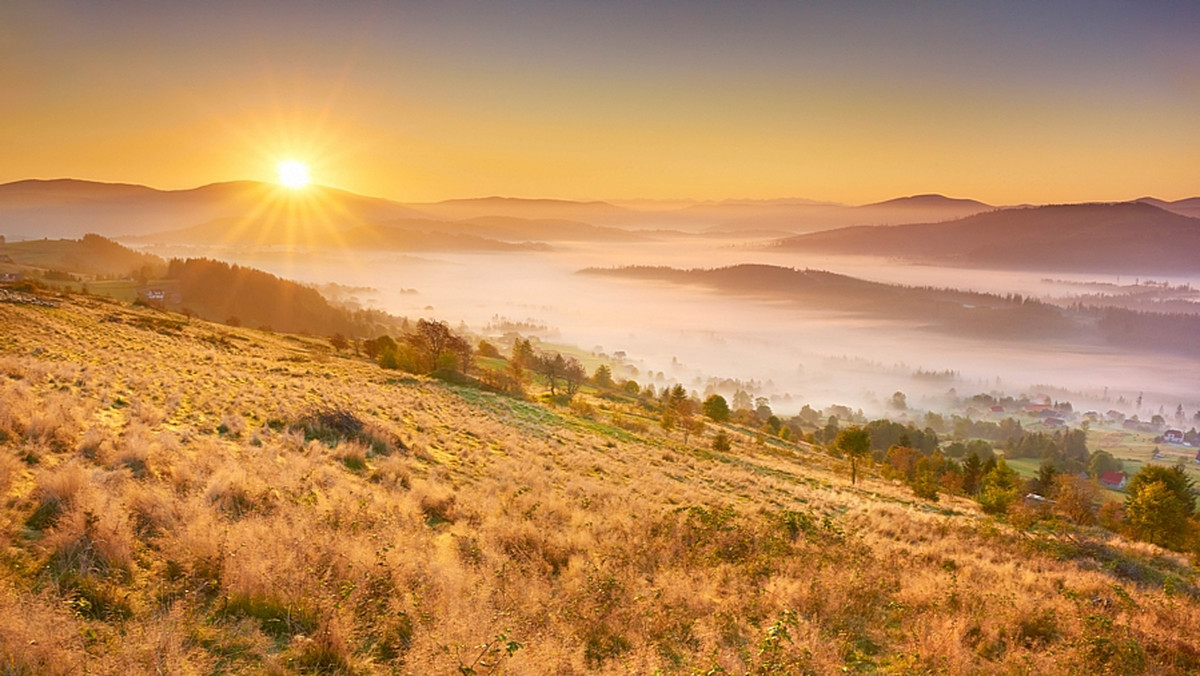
[(191, 498)]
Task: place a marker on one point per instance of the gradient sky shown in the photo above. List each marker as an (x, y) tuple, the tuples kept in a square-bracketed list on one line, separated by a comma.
[(1006, 102)]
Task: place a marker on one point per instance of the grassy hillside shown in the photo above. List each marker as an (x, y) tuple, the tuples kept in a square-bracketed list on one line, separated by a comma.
[(184, 497)]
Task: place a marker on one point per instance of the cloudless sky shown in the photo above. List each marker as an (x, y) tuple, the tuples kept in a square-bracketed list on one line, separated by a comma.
[(1006, 102)]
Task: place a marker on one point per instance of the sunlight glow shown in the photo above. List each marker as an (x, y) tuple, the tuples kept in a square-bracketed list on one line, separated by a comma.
[(293, 174)]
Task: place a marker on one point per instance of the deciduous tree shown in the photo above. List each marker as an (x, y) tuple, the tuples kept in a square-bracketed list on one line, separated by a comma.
[(854, 442)]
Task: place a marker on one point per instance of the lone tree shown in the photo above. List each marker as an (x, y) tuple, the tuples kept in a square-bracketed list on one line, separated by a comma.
[(716, 408), (855, 442), (1159, 504)]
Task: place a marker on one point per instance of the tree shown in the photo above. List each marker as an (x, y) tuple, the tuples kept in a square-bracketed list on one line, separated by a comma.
[(899, 401), (999, 489), (487, 350), (552, 367), (522, 353), (1076, 498), (855, 442), (743, 402), (573, 375), (716, 408), (375, 346), (972, 473), (339, 342), (1103, 461), (434, 338), (602, 378), (1044, 483), (1159, 504), (721, 443)]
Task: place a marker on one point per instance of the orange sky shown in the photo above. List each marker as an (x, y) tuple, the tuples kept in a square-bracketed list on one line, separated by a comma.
[(848, 102)]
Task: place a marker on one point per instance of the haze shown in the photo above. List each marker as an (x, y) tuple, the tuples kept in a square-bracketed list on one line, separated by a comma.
[(797, 356)]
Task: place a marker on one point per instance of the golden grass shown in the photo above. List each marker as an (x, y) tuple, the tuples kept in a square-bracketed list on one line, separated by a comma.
[(175, 503)]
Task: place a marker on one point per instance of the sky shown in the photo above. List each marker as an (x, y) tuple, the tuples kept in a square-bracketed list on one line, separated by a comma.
[(1005, 102)]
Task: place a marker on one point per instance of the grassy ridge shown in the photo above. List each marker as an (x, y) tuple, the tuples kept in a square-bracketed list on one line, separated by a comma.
[(196, 498)]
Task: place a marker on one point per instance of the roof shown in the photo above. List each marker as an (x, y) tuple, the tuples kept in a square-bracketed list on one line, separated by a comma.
[(1113, 478)]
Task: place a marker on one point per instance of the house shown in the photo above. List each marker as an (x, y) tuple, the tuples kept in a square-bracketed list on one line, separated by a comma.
[(8, 277), (1115, 480), (997, 409), (1173, 437), (1054, 422), (160, 293)]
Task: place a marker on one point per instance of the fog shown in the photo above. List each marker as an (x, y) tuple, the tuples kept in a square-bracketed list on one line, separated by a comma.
[(792, 355)]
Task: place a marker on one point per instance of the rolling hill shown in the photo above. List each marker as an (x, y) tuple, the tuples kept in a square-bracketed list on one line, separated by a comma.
[(72, 208), (184, 497), (1131, 237)]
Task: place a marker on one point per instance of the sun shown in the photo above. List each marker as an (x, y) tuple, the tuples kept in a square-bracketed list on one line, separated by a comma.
[(293, 174)]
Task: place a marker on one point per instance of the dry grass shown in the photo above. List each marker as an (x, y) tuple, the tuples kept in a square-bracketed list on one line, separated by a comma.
[(217, 501)]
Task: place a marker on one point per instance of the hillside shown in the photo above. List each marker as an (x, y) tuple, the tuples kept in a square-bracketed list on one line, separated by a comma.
[(206, 288), (193, 498), (89, 255), (1114, 238), (963, 313)]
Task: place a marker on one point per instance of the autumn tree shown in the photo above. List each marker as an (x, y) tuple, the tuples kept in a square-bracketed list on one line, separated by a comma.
[(1076, 498), (523, 354), (1159, 504), (854, 442), (716, 408)]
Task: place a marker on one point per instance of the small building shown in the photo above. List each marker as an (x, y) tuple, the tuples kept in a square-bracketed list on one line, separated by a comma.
[(1115, 480), (997, 409), (160, 293), (11, 277), (1173, 437), (1054, 422)]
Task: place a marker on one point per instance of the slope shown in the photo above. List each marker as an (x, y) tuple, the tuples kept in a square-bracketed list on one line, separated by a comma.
[(203, 499)]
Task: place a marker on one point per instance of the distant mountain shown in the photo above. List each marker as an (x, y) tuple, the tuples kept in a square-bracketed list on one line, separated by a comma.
[(71, 208), (929, 207), (602, 213), (963, 313), (800, 216), (1131, 237), (247, 213), (1184, 207)]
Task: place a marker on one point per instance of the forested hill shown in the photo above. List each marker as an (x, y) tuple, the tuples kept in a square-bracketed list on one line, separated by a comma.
[(1132, 237), (965, 313), (251, 297)]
